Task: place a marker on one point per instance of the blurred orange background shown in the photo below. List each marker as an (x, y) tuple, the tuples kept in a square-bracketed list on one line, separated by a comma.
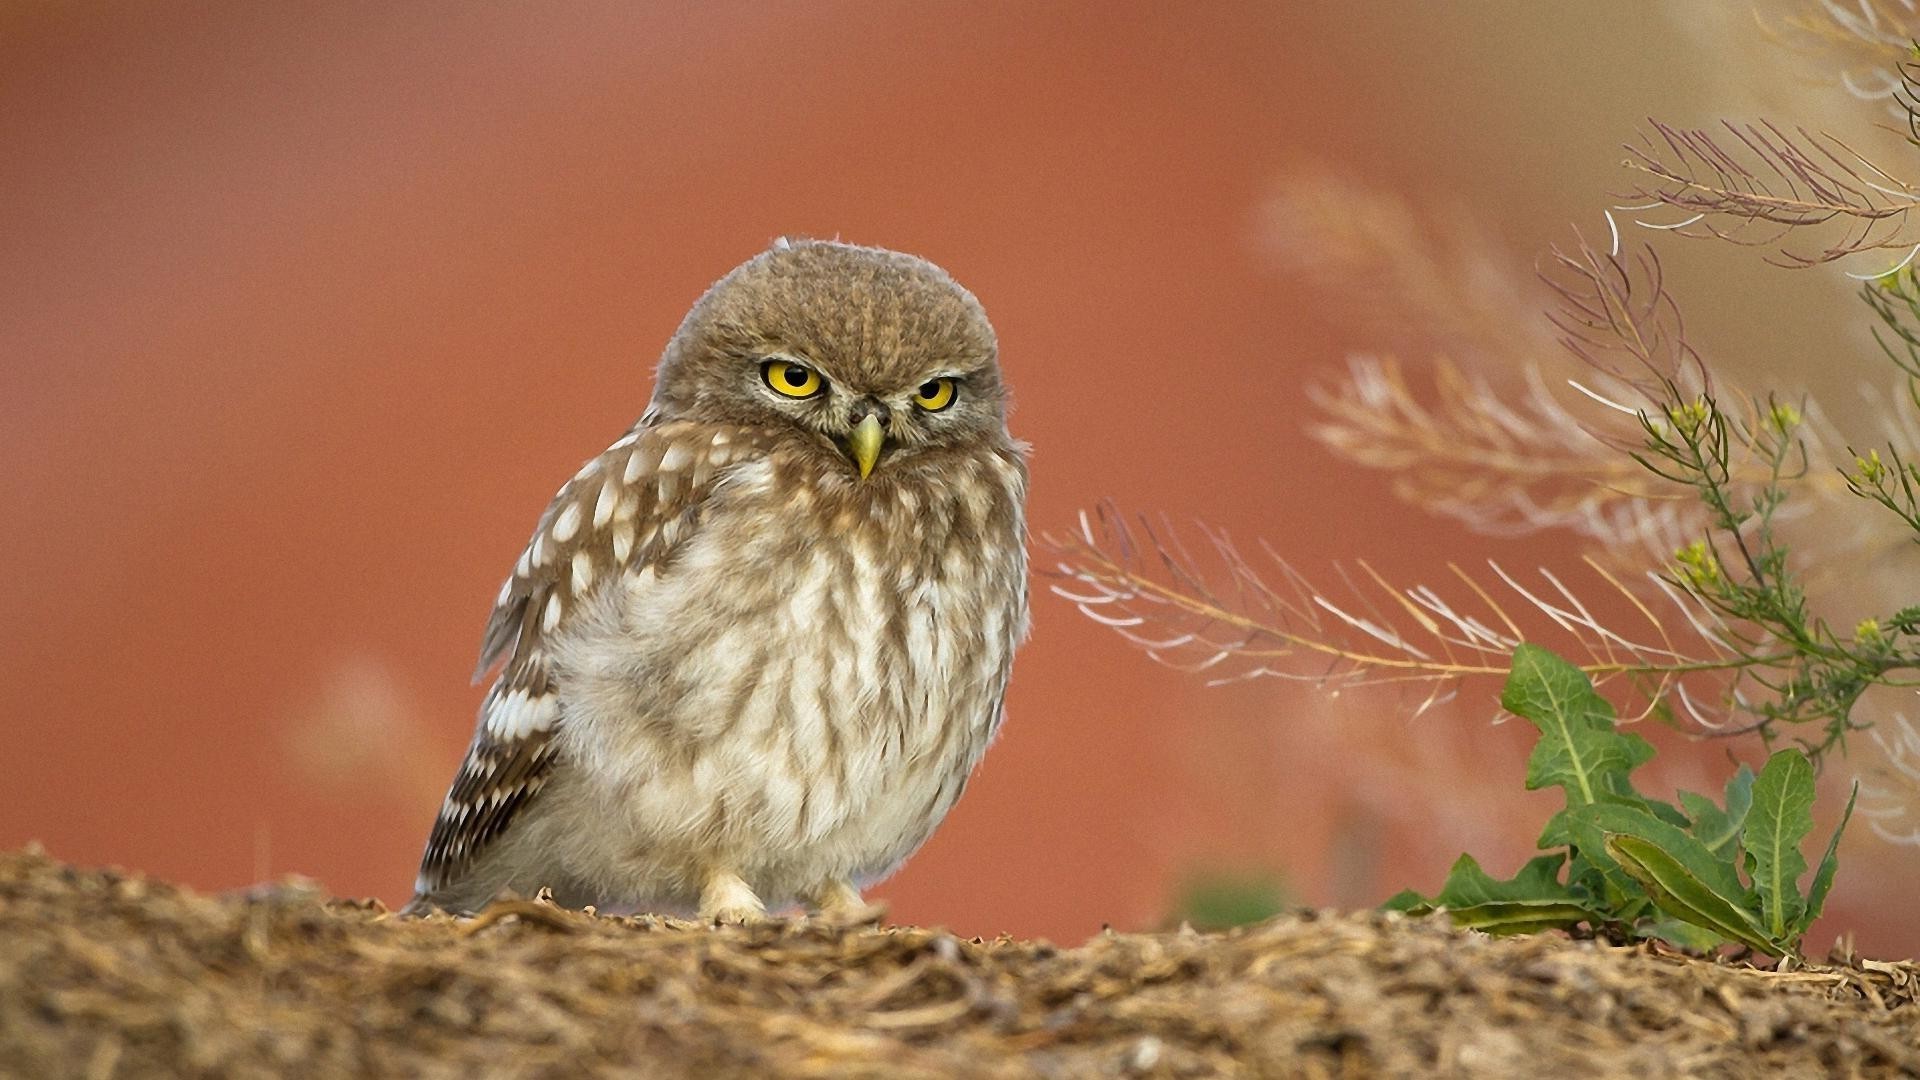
[(306, 310)]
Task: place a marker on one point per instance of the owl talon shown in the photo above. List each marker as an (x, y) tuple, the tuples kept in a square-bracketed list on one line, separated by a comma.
[(839, 903), (738, 916), (729, 901)]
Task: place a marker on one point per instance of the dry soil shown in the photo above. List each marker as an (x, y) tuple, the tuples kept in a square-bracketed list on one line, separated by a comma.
[(106, 974)]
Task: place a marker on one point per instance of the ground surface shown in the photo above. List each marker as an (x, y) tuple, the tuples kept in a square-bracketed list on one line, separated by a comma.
[(103, 974)]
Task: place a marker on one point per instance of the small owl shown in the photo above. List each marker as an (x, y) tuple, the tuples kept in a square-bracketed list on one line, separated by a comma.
[(755, 648)]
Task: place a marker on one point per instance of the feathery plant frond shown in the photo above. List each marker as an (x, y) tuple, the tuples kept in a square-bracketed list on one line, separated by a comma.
[(1514, 461), (1513, 456), (1753, 655), (1858, 40), (1504, 464), (1507, 460), (1890, 785), (1452, 286), (1716, 515), (1206, 607), (1755, 184), (1616, 316)]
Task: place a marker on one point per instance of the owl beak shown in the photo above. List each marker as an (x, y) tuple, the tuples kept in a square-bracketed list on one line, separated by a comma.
[(865, 442)]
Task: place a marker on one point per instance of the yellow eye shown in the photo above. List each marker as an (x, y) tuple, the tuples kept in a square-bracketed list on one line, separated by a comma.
[(934, 394), (793, 380)]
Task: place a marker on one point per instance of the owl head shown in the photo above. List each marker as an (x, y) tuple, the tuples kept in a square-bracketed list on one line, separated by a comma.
[(873, 355)]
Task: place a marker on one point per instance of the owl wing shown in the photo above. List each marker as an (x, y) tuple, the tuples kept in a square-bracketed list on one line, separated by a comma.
[(623, 512)]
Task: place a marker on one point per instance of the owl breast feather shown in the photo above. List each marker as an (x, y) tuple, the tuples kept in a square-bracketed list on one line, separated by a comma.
[(803, 688)]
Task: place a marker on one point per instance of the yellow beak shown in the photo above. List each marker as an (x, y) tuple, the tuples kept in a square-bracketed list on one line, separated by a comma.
[(865, 443)]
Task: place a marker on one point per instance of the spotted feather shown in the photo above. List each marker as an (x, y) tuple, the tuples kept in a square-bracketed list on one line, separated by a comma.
[(623, 512)]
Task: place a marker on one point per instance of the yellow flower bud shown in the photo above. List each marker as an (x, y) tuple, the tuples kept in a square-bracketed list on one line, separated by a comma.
[(1690, 417), (1696, 564)]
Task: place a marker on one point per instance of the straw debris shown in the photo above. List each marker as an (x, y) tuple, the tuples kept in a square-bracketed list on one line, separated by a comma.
[(106, 974)]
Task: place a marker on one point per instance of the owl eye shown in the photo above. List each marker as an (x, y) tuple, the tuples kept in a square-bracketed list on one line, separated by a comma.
[(792, 380), (934, 394)]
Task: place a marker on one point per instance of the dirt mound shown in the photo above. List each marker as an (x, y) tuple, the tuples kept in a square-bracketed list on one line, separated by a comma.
[(104, 974)]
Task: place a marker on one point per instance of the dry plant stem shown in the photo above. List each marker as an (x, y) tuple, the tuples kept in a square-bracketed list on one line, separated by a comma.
[(1748, 651), (1616, 317), (1755, 184), (1731, 456), (1311, 636), (1504, 466), (1515, 461)]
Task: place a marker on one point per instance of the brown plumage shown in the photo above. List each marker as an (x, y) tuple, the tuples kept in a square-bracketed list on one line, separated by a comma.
[(755, 648)]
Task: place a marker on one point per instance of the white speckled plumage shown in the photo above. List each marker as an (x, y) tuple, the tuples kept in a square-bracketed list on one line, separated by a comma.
[(736, 670)]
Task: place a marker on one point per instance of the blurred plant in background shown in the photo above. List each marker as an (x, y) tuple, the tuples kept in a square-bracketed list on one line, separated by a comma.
[(1741, 548), (1850, 42), (1223, 898)]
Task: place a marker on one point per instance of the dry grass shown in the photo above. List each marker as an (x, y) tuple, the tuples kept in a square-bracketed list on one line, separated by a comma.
[(104, 974)]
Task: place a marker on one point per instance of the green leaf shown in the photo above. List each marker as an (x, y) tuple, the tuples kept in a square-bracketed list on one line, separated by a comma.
[(1556, 833), (1579, 749), (1739, 797), (1682, 877), (1532, 901), (1829, 863), (1680, 891), (1408, 902), (1593, 868), (1665, 811), (1781, 817), (1906, 620), (1716, 827), (1683, 934), (1600, 882), (1218, 900)]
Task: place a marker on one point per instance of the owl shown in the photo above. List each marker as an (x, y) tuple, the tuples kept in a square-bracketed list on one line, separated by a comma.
[(755, 648)]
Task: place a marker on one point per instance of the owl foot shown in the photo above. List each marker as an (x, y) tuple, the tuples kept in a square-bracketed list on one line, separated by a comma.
[(730, 901), (839, 903)]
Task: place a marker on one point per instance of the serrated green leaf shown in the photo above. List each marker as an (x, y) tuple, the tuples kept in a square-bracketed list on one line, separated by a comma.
[(1781, 817), (1407, 902), (1680, 892), (1720, 874), (1683, 934), (1531, 901), (1579, 749), (1676, 871), (1595, 871), (1719, 827), (1627, 857), (1739, 796), (1504, 917), (1829, 864), (1555, 833), (1600, 882), (1467, 883), (1665, 811), (1704, 816)]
